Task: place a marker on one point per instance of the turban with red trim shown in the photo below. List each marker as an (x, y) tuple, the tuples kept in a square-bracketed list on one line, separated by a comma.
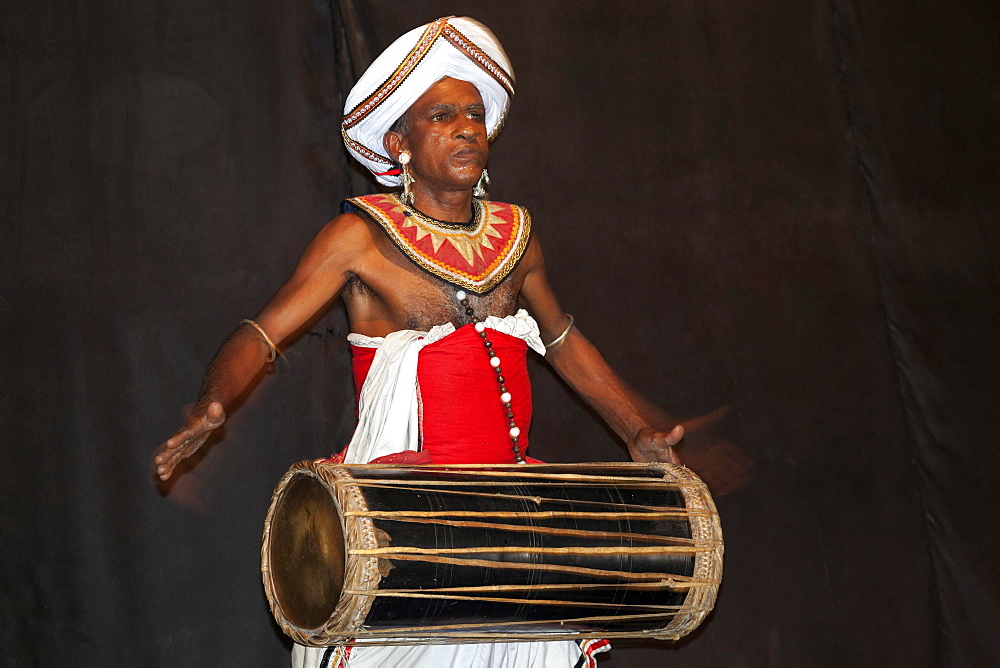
[(457, 47)]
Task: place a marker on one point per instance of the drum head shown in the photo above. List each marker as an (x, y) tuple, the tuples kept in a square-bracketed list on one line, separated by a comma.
[(306, 553)]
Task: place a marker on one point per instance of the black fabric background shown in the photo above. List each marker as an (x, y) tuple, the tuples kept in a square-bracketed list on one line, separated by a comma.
[(786, 209)]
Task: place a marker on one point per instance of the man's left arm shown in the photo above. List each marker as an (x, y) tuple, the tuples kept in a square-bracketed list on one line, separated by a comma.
[(581, 365)]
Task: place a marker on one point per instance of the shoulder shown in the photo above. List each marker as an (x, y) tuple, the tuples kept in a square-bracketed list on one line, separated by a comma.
[(515, 209), (352, 204), (346, 232), (517, 233), (385, 209), (517, 217), (345, 225)]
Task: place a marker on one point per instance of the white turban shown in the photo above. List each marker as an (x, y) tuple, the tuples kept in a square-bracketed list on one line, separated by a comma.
[(457, 47)]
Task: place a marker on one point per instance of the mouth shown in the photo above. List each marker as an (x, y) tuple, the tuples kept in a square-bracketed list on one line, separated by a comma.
[(467, 154)]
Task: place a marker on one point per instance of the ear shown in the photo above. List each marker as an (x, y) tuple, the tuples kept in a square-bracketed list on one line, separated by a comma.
[(394, 144)]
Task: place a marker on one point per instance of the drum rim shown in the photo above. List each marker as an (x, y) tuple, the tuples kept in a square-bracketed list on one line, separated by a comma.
[(360, 572), (705, 527)]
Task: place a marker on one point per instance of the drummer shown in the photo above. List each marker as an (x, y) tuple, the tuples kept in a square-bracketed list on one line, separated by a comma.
[(431, 277)]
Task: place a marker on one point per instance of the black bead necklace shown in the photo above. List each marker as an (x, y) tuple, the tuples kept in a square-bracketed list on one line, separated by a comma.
[(505, 397)]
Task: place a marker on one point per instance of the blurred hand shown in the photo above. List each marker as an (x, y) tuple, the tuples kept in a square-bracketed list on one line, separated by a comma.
[(650, 445), (196, 430)]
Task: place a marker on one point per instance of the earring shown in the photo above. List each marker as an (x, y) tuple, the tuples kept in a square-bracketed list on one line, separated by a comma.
[(481, 187), (406, 179)]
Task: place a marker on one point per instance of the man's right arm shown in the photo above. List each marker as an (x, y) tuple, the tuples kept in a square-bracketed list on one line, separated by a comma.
[(318, 278)]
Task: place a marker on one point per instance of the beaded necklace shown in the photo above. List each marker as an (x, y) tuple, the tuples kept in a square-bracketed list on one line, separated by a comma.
[(473, 224)]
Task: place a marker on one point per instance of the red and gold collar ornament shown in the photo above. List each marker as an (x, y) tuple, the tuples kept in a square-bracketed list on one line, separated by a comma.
[(476, 256)]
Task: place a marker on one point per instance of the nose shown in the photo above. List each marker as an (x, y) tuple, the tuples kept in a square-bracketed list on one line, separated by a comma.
[(467, 129)]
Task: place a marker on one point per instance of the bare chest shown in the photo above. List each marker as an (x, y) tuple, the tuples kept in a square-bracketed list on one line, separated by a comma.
[(389, 292)]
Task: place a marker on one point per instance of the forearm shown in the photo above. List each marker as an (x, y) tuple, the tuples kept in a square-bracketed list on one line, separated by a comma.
[(235, 365), (583, 367)]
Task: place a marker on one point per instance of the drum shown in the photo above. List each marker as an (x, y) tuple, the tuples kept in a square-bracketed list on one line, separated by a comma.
[(358, 554)]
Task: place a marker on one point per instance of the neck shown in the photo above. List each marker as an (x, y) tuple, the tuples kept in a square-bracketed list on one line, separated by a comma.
[(453, 206)]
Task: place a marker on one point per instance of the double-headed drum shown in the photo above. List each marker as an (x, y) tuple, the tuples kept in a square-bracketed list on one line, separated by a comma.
[(481, 553)]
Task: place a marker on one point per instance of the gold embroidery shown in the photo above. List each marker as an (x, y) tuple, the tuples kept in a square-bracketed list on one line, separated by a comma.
[(478, 56)]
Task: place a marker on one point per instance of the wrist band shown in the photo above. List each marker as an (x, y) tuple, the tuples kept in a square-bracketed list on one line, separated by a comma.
[(559, 339), (274, 350)]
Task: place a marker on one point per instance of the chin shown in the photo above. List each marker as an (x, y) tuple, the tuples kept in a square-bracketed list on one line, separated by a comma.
[(468, 176)]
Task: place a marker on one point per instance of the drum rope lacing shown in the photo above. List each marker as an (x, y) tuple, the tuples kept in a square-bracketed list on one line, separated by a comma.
[(505, 396)]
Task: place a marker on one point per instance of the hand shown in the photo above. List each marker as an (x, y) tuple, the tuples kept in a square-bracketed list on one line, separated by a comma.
[(649, 445), (192, 436)]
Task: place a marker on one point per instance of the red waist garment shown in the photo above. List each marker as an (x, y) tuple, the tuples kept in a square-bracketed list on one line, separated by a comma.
[(462, 420)]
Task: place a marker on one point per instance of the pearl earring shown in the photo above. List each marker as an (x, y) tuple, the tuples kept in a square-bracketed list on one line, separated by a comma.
[(406, 179)]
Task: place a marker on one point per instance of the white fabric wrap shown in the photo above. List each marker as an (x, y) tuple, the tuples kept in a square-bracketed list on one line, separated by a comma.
[(555, 654), (443, 60), (388, 414)]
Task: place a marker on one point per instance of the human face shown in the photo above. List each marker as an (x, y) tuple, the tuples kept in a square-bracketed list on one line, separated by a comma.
[(447, 136)]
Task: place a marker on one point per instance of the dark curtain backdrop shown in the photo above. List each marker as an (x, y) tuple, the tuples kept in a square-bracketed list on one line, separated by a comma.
[(784, 212)]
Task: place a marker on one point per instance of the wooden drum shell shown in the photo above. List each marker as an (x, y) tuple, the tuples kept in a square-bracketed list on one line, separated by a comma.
[(358, 554)]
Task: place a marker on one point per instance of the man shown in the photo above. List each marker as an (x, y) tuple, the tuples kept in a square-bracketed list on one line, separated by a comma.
[(431, 280)]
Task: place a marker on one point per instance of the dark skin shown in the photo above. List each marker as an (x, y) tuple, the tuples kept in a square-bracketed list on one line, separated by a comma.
[(446, 136)]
